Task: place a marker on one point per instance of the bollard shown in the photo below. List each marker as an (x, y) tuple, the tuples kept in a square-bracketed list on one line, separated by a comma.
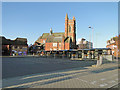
[(63, 56), (101, 59), (99, 62), (72, 56), (54, 55), (83, 55)]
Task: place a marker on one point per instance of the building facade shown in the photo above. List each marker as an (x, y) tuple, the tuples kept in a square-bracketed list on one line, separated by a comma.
[(59, 41), (14, 47), (84, 44), (114, 45)]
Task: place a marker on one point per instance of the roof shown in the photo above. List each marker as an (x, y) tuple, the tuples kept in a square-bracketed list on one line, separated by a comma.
[(108, 41), (58, 34), (73, 50), (17, 41), (5, 41), (54, 37), (21, 39), (115, 38), (57, 39), (45, 35), (50, 38), (102, 48), (96, 49)]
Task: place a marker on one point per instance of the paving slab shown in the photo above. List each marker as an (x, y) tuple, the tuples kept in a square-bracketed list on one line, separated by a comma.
[(105, 76)]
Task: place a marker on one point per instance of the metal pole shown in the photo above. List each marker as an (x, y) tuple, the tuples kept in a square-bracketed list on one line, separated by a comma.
[(89, 41), (92, 35)]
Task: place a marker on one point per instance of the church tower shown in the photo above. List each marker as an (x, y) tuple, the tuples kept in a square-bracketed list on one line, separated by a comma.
[(70, 29), (66, 26)]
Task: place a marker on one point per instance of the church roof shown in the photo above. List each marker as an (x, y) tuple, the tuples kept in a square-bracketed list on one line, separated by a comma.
[(52, 38), (47, 35), (44, 35)]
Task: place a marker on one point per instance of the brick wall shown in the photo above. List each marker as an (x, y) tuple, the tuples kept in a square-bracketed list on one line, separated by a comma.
[(116, 50), (60, 46)]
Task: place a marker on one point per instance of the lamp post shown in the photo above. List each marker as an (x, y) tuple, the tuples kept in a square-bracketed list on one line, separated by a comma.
[(92, 32)]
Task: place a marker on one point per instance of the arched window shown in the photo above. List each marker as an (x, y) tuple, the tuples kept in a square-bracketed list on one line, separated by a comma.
[(69, 28)]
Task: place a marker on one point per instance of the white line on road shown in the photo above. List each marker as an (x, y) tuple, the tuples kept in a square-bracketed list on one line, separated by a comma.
[(115, 75), (82, 80), (112, 81), (36, 82), (102, 85), (68, 72), (102, 79), (93, 82)]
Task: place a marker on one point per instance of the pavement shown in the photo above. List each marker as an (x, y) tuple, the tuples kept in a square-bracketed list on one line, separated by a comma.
[(24, 56), (104, 76)]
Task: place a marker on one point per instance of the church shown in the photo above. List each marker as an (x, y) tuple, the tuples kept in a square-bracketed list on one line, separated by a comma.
[(61, 40)]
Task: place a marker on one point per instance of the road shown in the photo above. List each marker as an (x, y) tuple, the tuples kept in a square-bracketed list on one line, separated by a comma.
[(57, 73), (20, 66)]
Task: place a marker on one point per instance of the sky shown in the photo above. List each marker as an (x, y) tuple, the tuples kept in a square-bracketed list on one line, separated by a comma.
[(31, 19)]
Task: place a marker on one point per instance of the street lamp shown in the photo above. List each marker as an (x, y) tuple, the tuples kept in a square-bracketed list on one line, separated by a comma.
[(92, 32)]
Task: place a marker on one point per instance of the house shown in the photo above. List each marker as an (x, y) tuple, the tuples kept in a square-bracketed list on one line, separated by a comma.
[(17, 46), (114, 45)]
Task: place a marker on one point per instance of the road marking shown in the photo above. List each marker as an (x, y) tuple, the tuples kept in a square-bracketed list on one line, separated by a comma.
[(111, 81), (102, 79), (33, 76), (68, 72), (112, 76), (93, 82), (82, 80), (40, 81), (62, 74), (115, 74), (102, 85)]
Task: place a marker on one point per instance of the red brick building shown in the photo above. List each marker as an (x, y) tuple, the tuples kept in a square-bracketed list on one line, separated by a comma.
[(62, 40), (114, 44), (19, 45)]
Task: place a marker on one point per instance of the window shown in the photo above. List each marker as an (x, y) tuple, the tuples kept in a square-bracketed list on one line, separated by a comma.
[(20, 47), (54, 44), (43, 41), (69, 28), (16, 47), (59, 44), (13, 47)]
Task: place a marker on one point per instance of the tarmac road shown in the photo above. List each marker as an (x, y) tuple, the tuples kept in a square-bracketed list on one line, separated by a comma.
[(20, 66), (104, 76)]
